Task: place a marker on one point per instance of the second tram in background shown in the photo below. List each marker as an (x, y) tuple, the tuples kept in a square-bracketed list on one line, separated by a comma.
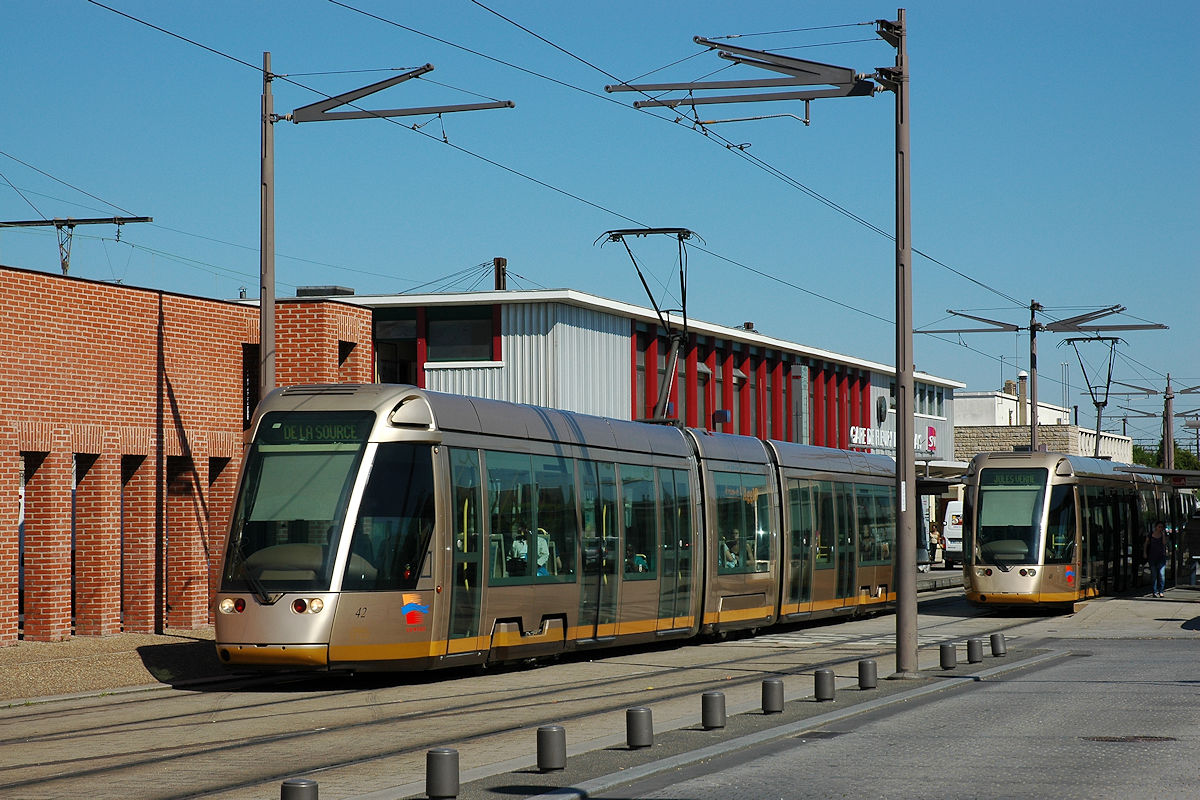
[(389, 527), (1051, 529)]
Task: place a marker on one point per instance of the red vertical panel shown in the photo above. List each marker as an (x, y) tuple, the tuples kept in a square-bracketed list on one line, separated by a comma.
[(867, 411), (650, 370), (831, 389), (743, 425), (727, 389), (710, 389), (692, 378), (843, 422), (763, 400), (778, 427), (818, 405), (855, 401), (496, 354), (422, 346), (634, 399)]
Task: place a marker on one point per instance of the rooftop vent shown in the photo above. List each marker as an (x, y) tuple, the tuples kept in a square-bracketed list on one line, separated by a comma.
[(323, 291)]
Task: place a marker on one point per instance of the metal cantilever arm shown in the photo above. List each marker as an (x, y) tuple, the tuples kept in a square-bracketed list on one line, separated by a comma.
[(320, 111)]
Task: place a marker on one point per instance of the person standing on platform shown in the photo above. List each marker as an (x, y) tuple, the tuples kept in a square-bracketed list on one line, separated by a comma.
[(1156, 555)]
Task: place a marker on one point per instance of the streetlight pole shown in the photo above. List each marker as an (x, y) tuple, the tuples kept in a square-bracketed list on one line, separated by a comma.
[(906, 490), (266, 271), (846, 83), (314, 112)]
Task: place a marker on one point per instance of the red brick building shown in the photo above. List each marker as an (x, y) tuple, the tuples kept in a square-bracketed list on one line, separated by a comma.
[(122, 418)]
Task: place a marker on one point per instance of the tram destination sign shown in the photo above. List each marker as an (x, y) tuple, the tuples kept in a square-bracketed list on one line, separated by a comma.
[(316, 428)]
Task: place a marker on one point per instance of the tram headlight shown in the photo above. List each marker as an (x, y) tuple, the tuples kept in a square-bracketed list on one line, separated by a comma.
[(314, 605), (232, 605)]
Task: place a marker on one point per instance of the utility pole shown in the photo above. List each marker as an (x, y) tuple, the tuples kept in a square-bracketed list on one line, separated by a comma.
[(846, 83), (1076, 324), (1168, 413), (266, 272), (66, 228), (314, 112)]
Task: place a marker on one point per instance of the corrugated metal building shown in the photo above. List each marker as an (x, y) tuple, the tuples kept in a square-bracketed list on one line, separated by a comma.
[(576, 351)]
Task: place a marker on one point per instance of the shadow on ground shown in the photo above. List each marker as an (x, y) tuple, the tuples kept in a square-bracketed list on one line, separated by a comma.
[(183, 661)]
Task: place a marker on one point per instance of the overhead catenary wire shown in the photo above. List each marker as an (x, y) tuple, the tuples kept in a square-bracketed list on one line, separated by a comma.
[(753, 159), (724, 142)]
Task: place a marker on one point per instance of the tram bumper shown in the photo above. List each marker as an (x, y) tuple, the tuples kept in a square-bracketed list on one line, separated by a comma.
[(304, 656)]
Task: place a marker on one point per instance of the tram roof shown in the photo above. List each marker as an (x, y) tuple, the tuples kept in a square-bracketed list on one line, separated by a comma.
[(828, 459), (477, 415), (1080, 465)]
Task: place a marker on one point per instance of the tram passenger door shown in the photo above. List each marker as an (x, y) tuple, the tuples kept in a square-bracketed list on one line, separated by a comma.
[(797, 558), (844, 502), (678, 544), (833, 552), (466, 590), (601, 556)]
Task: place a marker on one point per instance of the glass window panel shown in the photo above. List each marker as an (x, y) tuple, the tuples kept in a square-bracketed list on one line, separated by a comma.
[(639, 514), (557, 525), (395, 520), (824, 536), (511, 508)]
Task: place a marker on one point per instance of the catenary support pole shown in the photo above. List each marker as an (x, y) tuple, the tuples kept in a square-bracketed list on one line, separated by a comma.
[(906, 529), (266, 288)]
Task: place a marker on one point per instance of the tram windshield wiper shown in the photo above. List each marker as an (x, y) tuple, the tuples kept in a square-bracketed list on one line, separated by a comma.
[(243, 570)]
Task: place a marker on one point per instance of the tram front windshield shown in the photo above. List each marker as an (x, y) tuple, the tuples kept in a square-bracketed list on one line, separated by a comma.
[(1008, 525), (296, 484)]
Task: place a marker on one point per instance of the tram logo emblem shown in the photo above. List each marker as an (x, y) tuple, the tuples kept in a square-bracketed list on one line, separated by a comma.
[(414, 612), (1070, 576)]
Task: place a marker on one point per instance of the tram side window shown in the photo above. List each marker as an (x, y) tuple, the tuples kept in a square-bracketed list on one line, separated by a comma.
[(824, 536), (759, 550), (1060, 525), (876, 523), (464, 474), (557, 524), (395, 520), (639, 514), (743, 523), (512, 547)]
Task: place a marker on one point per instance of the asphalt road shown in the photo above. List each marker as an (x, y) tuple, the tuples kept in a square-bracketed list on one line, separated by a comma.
[(367, 738)]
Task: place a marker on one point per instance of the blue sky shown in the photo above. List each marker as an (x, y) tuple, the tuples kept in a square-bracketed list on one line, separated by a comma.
[(1053, 159)]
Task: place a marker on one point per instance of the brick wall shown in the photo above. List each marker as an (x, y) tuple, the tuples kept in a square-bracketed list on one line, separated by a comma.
[(131, 400)]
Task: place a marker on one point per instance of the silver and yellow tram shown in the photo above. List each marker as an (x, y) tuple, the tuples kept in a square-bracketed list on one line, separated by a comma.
[(389, 527), (1052, 529)]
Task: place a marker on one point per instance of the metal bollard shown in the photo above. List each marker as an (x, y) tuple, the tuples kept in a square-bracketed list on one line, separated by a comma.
[(823, 684), (639, 727), (551, 748), (441, 773), (298, 789), (998, 646), (712, 710), (772, 696), (974, 651), (949, 655), (868, 674)]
